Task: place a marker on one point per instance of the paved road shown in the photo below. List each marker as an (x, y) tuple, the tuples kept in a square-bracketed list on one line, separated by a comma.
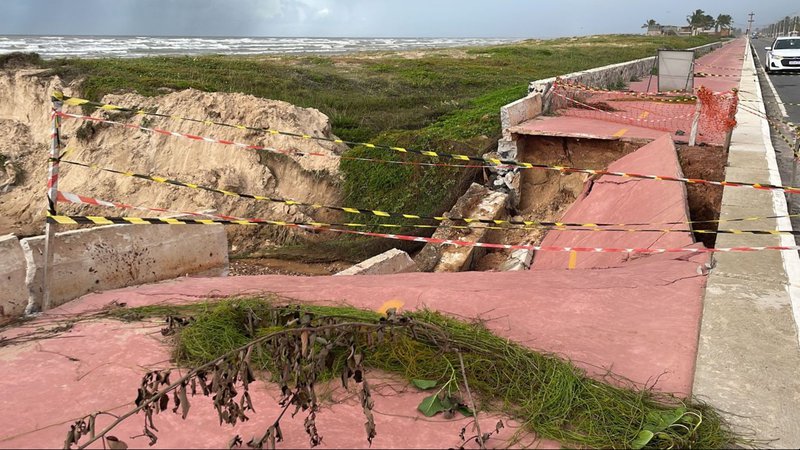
[(788, 89), (787, 85)]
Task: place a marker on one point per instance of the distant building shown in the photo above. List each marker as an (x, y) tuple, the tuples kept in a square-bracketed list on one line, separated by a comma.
[(668, 30), (655, 30), (673, 30)]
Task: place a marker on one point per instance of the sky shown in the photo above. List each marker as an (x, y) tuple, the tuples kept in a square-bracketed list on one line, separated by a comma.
[(367, 18)]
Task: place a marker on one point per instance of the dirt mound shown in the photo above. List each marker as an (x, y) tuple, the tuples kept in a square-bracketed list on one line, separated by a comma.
[(20, 60), (24, 138)]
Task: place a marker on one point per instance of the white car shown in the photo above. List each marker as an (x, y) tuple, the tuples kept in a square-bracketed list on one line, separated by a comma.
[(783, 55)]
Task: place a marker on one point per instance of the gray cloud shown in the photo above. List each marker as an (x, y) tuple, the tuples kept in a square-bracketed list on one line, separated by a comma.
[(365, 18)]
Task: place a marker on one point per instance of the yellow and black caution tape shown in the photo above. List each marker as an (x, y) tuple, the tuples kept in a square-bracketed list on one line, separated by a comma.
[(79, 199), (100, 220), (787, 123), (505, 162), (715, 75), (388, 214), (74, 101), (776, 124)]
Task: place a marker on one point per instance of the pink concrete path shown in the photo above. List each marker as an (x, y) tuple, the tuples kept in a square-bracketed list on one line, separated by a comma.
[(624, 200), (725, 62), (640, 320), (644, 120), (581, 127)]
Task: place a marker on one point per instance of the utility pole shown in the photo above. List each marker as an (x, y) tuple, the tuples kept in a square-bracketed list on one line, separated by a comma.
[(750, 23)]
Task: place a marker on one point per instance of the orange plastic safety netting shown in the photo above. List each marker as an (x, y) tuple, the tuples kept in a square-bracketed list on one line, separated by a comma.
[(672, 112)]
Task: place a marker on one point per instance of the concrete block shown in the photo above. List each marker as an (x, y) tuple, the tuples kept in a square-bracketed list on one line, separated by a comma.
[(507, 149), (478, 201), (110, 257), (13, 293), (393, 261), (519, 260)]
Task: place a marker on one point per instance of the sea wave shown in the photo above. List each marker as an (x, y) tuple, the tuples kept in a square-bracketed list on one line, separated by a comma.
[(51, 47)]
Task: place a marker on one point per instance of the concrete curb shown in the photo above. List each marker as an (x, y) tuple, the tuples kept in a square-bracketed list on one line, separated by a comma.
[(748, 353)]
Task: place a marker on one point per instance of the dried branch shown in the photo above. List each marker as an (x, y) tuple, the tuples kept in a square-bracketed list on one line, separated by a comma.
[(480, 439), (153, 400)]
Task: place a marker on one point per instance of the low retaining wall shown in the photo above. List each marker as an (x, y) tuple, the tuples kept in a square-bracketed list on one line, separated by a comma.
[(115, 256), (13, 291)]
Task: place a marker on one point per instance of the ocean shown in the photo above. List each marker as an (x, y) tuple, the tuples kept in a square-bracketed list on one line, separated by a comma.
[(51, 47)]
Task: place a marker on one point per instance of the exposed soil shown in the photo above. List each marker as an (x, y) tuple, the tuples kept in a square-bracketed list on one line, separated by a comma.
[(705, 163), (24, 139), (546, 195), (272, 266)]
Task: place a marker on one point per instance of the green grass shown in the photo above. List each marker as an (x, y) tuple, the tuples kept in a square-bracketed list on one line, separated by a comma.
[(546, 394), (445, 100)]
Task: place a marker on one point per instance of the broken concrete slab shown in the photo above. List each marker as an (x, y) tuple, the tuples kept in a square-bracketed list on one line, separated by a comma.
[(109, 257), (624, 200), (392, 261), (519, 260), (13, 292), (478, 202)]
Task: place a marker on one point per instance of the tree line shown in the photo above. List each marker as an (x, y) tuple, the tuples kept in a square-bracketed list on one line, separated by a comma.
[(700, 20)]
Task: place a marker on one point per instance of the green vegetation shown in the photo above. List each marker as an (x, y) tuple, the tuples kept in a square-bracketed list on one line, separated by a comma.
[(444, 100), (19, 60), (546, 394)]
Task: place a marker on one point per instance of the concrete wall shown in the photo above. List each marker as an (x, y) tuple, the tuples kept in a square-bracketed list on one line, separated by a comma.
[(115, 256), (13, 292), (520, 111)]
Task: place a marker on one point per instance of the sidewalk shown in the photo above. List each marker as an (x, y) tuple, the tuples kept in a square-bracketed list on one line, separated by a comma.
[(748, 357)]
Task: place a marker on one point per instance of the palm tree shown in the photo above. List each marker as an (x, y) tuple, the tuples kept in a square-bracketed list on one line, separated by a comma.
[(650, 23), (708, 21), (724, 21), (697, 19)]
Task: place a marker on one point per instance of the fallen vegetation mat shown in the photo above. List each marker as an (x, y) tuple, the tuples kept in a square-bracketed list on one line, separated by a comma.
[(298, 345)]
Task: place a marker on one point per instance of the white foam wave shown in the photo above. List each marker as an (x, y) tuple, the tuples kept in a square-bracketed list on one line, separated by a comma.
[(50, 47)]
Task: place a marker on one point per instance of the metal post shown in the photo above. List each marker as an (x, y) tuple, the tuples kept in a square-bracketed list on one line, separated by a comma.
[(695, 123), (52, 196), (796, 154), (732, 116)]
